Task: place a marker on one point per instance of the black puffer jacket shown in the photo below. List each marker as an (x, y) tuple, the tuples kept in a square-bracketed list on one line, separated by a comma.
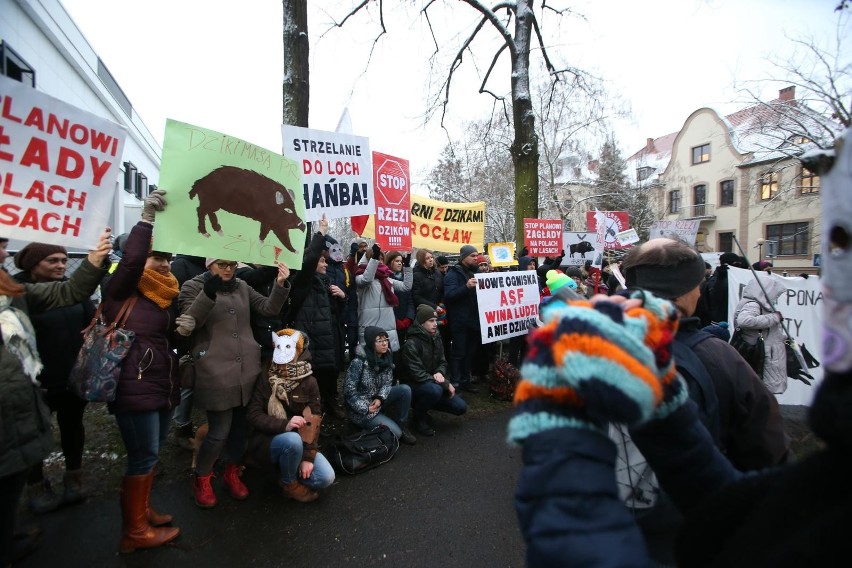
[(428, 287), (423, 356), (59, 339)]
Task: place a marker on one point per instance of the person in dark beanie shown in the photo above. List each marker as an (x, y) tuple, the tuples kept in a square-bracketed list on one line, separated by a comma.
[(713, 304), (426, 371), (59, 340), (463, 313)]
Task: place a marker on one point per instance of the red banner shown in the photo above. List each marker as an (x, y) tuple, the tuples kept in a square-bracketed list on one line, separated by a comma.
[(393, 202), (616, 221), (543, 237)]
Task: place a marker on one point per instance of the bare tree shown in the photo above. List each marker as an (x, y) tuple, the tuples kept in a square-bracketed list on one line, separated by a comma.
[(296, 91)]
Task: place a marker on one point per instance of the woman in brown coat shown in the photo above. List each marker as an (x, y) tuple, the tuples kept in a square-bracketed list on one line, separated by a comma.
[(227, 364)]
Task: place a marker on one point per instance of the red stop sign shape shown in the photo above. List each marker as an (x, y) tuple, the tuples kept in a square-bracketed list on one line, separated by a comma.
[(392, 181)]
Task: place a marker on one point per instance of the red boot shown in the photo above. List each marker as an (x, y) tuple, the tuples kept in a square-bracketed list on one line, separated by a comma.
[(232, 482), (202, 490), (137, 532), (155, 519)]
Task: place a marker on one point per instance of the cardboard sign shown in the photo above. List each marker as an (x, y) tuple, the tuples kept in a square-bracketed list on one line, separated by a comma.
[(393, 202), (580, 247), (508, 303), (337, 171), (502, 254), (683, 230), (229, 199), (543, 237), (58, 168), (627, 237), (614, 223)]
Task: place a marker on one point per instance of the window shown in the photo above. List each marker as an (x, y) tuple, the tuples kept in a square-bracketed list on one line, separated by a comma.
[(701, 154), (643, 173), (13, 66), (699, 199), (726, 193), (768, 185), (726, 242), (791, 238), (810, 181), (674, 201), (129, 177), (141, 190)]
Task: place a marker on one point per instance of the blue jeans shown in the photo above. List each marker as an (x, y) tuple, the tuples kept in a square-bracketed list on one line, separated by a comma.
[(286, 451), (465, 344), (399, 398), (142, 433), (431, 396), (226, 429), (183, 413)]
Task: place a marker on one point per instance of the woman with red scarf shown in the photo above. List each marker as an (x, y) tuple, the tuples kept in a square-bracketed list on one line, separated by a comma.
[(377, 295)]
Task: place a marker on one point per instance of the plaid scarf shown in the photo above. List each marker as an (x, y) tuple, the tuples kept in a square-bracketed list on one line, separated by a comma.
[(283, 379)]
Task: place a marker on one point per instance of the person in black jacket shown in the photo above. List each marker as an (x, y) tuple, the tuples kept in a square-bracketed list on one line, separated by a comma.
[(59, 340), (316, 307), (425, 370)]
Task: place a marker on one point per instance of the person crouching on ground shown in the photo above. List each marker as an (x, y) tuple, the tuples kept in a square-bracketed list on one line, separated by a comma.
[(369, 388), (426, 369), (284, 413)]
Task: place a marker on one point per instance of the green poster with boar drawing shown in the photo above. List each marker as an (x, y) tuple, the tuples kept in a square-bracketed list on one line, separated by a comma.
[(228, 199)]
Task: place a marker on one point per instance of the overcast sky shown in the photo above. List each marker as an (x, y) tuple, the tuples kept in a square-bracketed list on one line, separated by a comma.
[(218, 63)]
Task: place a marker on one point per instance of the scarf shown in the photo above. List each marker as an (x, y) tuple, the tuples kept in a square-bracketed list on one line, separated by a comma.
[(382, 274), (158, 288), (283, 379), (19, 336), (377, 363)]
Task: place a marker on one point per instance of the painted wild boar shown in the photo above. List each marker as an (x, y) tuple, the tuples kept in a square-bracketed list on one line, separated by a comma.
[(582, 247), (248, 194)]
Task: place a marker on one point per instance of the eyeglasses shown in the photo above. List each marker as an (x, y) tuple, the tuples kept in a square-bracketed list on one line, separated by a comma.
[(382, 341), (226, 265)]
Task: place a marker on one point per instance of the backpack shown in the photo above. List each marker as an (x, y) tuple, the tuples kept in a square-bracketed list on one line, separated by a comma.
[(363, 450), (638, 487)]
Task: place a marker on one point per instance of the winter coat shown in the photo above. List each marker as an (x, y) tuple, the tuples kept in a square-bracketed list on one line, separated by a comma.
[(373, 309), (25, 435), (754, 315), (462, 306), (148, 377), (227, 358), (362, 385), (318, 312), (423, 356), (265, 427), (427, 287), (59, 338)]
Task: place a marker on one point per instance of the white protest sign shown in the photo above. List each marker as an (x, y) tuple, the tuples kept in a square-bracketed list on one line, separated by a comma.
[(337, 171), (627, 237), (683, 230), (58, 168), (508, 304), (801, 305), (580, 246)]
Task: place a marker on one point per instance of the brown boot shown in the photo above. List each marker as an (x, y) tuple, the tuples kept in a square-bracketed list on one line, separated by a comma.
[(299, 492), (137, 532), (155, 519), (72, 484)]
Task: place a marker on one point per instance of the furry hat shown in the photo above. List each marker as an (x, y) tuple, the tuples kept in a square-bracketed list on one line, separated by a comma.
[(28, 257)]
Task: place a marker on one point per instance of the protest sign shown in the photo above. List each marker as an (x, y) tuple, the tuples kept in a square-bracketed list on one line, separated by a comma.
[(337, 171), (543, 237), (801, 305), (502, 254), (58, 168), (683, 230), (228, 199), (579, 246), (441, 226), (614, 223), (627, 237), (508, 304), (393, 202)]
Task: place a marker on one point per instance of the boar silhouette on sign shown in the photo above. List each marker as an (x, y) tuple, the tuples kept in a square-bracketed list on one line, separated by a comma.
[(248, 194), (582, 247)]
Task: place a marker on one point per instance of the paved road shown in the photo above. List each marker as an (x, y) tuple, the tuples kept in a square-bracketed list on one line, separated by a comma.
[(445, 502)]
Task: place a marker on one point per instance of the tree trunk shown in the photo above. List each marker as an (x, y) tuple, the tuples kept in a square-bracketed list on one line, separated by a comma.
[(525, 145), (296, 92)]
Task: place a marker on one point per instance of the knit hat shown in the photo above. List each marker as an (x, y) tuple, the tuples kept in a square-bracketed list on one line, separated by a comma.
[(425, 313), (481, 259), (728, 258), (466, 251), (668, 282), (761, 265), (209, 261), (556, 280), (371, 334), (442, 260), (28, 257)]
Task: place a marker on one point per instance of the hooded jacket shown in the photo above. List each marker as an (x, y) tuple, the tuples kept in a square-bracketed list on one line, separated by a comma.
[(755, 315)]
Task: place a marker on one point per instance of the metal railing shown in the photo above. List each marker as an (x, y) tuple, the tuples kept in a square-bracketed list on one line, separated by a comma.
[(704, 211)]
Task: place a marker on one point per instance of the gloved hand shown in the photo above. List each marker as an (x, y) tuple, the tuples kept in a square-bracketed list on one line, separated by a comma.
[(212, 286), (353, 249), (599, 362), (376, 251), (406, 260), (156, 201), (185, 324), (403, 324)]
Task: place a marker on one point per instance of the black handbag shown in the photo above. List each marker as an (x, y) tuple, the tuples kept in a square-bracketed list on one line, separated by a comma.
[(753, 353), (363, 451)]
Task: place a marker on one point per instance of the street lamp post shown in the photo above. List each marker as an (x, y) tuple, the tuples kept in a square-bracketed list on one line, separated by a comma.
[(760, 243)]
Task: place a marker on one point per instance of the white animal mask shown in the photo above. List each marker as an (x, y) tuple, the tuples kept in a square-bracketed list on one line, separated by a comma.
[(286, 350)]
